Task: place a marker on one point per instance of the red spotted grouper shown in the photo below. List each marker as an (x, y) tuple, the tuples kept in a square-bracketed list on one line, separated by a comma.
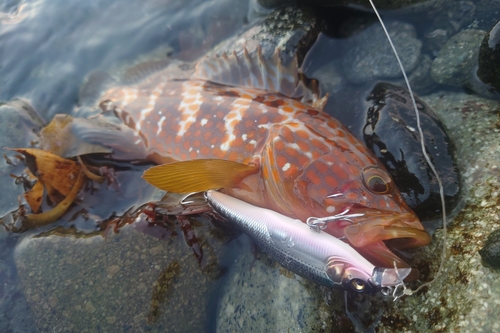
[(261, 137)]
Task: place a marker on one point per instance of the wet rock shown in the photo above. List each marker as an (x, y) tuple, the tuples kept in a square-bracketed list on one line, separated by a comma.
[(487, 13), (414, 5), (291, 29), (490, 253), (464, 298), (261, 296), (420, 79), (489, 58), (447, 22), (330, 78), (385, 120), (18, 123), (15, 314), (369, 56), (126, 281), (456, 62)]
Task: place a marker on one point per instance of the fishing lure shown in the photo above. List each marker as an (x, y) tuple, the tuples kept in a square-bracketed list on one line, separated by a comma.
[(305, 250)]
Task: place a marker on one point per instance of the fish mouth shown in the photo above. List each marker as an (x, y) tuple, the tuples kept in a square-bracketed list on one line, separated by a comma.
[(369, 232)]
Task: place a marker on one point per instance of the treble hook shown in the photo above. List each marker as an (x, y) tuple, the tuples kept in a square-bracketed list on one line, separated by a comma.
[(389, 290), (184, 201), (320, 223)]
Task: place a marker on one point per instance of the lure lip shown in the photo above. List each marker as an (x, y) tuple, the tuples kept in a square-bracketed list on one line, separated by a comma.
[(307, 251)]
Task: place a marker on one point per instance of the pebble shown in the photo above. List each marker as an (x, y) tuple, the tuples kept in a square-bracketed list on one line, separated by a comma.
[(369, 57), (488, 69)]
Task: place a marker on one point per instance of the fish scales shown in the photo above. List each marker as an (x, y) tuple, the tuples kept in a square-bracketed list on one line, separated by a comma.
[(196, 119)]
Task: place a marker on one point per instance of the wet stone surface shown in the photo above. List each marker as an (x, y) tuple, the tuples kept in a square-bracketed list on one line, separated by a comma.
[(384, 119), (412, 6), (490, 253), (261, 296), (488, 69), (292, 30), (456, 63), (465, 298), (453, 17), (127, 281), (368, 56), (18, 121)]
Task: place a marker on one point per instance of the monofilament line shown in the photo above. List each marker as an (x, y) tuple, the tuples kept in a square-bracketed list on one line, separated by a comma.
[(427, 158)]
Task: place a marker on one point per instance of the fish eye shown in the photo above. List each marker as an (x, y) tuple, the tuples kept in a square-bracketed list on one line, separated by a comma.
[(358, 285), (377, 180), (377, 184)]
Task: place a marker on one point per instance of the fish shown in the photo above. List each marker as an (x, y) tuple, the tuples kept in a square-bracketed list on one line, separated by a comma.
[(313, 254), (254, 129)]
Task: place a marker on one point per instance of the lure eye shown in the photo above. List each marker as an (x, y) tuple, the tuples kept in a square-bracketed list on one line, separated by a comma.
[(377, 180), (358, 285)]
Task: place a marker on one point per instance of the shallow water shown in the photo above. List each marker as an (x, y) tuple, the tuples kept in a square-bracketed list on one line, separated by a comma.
[(47, 48)]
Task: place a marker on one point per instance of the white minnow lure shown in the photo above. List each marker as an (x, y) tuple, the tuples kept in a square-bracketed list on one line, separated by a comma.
[(315, 255)]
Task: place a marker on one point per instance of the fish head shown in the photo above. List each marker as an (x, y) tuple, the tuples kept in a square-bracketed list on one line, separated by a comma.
[(347, 183)]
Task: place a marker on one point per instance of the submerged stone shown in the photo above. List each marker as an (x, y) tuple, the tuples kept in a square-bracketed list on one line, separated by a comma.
[(369, 56), (259, 295), (457, 64), (490, 253), (292, 30), (489, 58), (414, 5), (126, 281), (385, 120)]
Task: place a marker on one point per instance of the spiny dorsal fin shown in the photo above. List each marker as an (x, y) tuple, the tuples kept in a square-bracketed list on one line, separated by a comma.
[(253, 70), (198, 175)]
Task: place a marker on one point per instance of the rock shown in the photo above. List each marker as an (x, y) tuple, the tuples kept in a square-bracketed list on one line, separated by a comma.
[(383, 117), (457, 61), (369, 56), (464, 298), (292, 30), (330, 77), (487, 13), (420, 79), (261, 296), (410, 5), (490, 253), (489, 58), (452, 18), (126, 281), (457, 58), (18, 123), (15, 315)]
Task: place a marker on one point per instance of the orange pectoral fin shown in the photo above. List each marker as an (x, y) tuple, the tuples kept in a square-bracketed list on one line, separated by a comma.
[(198, 175)]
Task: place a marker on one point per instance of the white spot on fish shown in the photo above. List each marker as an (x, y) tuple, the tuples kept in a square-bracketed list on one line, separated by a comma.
[(137, 141), (218, 99), (203, 122), (151, 105), (244, 137), (160, 123), (238, 108), (330, 209), (286, 167), (188, 112)]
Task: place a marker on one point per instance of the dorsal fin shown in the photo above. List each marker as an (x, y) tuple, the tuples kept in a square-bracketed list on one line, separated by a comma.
[(253, 70)]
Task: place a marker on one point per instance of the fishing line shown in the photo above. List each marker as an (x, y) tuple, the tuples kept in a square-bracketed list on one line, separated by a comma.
[(427, 158)]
